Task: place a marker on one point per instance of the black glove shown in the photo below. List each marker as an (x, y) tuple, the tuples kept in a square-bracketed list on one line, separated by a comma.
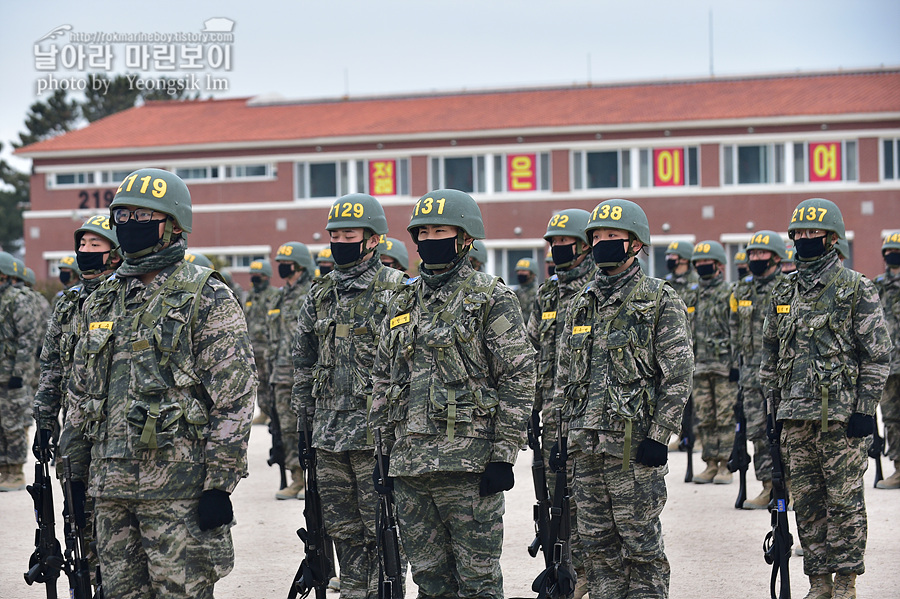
[(15, 382), (498, 476), (214, 509), (734, 375), (536, 423), (388, 486), (78, 501), (860, 425), (557, 461), (652, 453)]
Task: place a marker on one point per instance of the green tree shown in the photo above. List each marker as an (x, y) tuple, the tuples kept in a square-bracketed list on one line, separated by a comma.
[(49, 119), (105, 96), (14, 189)]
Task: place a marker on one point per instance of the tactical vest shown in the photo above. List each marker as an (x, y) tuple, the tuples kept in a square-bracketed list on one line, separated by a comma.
[(612, 372), (347, 339), (164, 400), (708, 308), (550, 321), (8, 343), (816, 353), (450, 389), (889, 293), (281, 322), (749, 303), (66, 316)]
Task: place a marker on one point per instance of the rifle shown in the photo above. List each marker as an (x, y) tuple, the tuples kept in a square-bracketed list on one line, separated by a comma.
[(388, 536), (778, 542), (541, 540), (876, 450), (557, 581), (276, 452), (687, 437), (47, 561), (740, 459), (77, 566), (315, 569)]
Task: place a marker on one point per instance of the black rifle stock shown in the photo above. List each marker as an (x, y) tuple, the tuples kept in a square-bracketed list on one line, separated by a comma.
[(315, 569), (388, 536), (77, 566), (47, 560), (778, 542), (876, 450), (276, 452), (687, 437), (740, 459), (542, 541)]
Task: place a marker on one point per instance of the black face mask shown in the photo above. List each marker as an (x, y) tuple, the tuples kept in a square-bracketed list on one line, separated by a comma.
[(522, 279), (91, 261), (563, 255), (809, 248), (610, 253), (551, 270), (758, 267), (743, 271), (135, 237), (671, 264), (346, 253), (706, 271), (437, 253), (285, 270), (256, 279), (65, 276), (892, 259), (324, 270)]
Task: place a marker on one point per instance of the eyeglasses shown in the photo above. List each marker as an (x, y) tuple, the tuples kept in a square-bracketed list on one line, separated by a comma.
[(809, 233), (122, 215)]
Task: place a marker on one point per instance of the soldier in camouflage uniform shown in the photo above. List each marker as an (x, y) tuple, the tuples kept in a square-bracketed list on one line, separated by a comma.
[(295, 267), (526, 290), (454, 378), (39, 308), (19, 340), (750, 295), (787, 265), (160, 402), (825, 359), (888, 286), (324, 262), (741, 263), (627, 358), (681, 273), (478, 255), (256, 309), (715, 370), (335, 347), (393, 253)]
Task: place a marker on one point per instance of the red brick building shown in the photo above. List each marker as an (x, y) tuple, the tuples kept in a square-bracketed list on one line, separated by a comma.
[(706, 159)]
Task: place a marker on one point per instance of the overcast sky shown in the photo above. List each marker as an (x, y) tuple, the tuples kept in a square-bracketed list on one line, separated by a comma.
[(319, 49)]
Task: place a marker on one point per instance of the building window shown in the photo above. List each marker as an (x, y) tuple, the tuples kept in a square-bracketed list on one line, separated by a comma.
[(521, 172), (668, 167), (598, 170), (753, 165), (249, 171), (381, 177), (890, 166), (114, 177), (818, 162), (198, 173), (465, 173), (70, 179)]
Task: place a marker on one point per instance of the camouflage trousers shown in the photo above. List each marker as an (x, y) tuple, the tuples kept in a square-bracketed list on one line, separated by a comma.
[(15, 408), (156, 549), (826, 470), (287, 417), (755, 413), (890, 412), (349, 502), (714, 399), (619, 528), (264, 396), (451, 535)]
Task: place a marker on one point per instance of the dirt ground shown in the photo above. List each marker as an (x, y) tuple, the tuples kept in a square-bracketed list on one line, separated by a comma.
[(715, 551)]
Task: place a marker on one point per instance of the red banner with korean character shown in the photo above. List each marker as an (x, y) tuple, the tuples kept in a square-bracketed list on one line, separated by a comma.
[(825, 161), (521, 172), (668, 167), (382, 177)]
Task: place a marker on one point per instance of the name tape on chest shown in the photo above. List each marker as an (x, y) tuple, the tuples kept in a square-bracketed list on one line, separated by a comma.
[(581, 329), (548, 315), (106, 324), (783, 308), (398, 320)]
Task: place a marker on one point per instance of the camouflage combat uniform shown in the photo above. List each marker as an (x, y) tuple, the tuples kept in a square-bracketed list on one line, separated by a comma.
[(256, 309), (710, 314), (453, 382), (527, 293), (626, 349), (161, 398), (41, 312), (682, 283), (888, 285), (336, 337), (826, 351)]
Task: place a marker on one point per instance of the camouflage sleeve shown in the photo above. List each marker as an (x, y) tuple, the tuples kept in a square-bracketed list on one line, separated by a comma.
[(305, 354), (26, 320), (511, 357), (675, 364), (874, 348), (769, 352), (47, 400), (733, 328), (224, 361), (531, 329), (381, 379), (72, 441)]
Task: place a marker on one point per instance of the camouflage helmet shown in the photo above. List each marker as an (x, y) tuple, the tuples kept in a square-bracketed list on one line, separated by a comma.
[(767, 240), (357, 210), (817, 213), (528, 264), (682, 249), (569, 223), (479, 251), (261, 267), (19, 268), (296, 252), (709, 250), (71, 263), (447, 207), (324, 255), (199, 260), (843, 248), (620, 214), (396, 249), (891, 241), (8, 265), (788, 255), (29, 276), (740, 257), (157, 190)]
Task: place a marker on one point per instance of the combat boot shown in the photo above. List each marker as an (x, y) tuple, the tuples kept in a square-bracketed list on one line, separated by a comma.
[(820, 587), (893, 481), (761, 501), (3, 470), (723, 476), (14, 479), (707, 476), (844, 586), (293, 490)]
